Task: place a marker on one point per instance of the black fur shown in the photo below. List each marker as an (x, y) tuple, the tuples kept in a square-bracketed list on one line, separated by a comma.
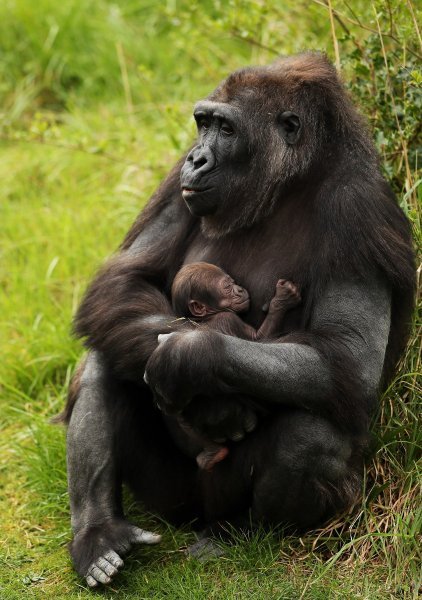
[(314, 210)]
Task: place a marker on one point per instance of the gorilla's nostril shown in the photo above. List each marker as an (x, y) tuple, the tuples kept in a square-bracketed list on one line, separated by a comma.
[(199, 162), (203, 159)]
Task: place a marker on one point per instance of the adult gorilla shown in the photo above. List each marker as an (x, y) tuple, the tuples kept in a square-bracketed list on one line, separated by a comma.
[(283, 183)]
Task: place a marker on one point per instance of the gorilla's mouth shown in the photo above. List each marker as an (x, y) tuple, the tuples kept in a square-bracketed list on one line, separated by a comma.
[(243, 305), (189, 191), (199, 202)]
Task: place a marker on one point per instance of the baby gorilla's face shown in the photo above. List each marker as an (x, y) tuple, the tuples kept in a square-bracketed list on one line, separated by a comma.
[(231, 296)]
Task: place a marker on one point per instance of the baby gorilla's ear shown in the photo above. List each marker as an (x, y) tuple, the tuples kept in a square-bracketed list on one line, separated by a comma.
[(197, 309)]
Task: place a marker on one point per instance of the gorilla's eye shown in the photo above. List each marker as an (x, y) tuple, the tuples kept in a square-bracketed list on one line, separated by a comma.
[(203, 123), (226, 129)]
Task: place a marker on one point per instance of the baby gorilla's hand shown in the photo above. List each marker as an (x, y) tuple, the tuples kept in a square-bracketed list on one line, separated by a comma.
[(287, 295)]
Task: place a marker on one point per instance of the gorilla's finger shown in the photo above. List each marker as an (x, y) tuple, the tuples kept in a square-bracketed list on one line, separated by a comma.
[(163, 337), (91, 581), (105, 566), (141, 536), (237, 436), (158, 399), (250, 422), (114, 559), (98, 574)]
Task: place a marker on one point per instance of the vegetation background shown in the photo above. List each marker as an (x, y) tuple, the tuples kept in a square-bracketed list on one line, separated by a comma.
[(95, 104)]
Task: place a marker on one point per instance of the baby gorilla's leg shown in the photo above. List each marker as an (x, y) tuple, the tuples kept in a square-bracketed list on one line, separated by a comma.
[(210, 456)]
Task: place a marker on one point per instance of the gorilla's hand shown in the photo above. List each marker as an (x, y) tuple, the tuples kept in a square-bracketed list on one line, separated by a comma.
[(183, 368), (221, 418), (183, 365)]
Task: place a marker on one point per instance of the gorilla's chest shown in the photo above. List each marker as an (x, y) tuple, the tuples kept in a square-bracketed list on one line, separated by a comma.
[(255, 262)]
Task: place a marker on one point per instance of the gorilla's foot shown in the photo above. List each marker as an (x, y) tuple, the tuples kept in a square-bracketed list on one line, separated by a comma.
[(204, 549), (97, 550)]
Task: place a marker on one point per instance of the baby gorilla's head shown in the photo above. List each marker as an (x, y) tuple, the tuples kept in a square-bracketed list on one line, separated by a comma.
[(202, 289)]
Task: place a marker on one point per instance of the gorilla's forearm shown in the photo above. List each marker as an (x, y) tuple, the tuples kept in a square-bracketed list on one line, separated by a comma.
[(91, 461), (345, 344), (276, 372), (125, 308), (122, 314)]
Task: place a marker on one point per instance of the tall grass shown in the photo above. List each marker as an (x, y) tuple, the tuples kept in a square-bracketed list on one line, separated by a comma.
[(95, 102)]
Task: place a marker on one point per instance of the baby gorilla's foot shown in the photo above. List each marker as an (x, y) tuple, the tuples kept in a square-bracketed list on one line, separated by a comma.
[(210, 457), (287, 295)]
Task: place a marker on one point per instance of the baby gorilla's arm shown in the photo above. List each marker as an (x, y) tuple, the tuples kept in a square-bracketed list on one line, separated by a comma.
[(286, 296), (230, 323)]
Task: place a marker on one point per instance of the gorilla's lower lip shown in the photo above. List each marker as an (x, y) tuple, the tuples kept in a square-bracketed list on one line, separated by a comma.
[(244, 303), (199, 201), (187, 191)]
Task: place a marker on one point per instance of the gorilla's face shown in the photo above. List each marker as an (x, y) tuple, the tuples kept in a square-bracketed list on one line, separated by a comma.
[(228, 176), (221, 150)]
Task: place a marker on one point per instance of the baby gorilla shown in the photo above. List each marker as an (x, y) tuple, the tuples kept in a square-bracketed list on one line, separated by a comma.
[(206, 294)]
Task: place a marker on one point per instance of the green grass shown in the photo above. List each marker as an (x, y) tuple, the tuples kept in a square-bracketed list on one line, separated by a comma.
[(95, 101)]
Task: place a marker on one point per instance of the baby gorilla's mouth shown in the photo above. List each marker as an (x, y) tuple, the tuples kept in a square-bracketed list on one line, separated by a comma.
[(243, 305)]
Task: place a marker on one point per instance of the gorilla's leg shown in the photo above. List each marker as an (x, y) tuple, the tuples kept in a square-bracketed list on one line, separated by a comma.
[(296, 469), (312, 471), (102, 418), (162, 477)]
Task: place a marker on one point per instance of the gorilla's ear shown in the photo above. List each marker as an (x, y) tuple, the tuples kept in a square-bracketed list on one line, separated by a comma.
[(197, 309), (290, 126)]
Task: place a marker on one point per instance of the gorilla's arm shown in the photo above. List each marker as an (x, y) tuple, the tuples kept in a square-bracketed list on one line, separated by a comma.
[(346, 341), (124, 308)]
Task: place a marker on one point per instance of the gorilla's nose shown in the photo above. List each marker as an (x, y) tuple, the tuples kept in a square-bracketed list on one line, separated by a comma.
[(202, 160)]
